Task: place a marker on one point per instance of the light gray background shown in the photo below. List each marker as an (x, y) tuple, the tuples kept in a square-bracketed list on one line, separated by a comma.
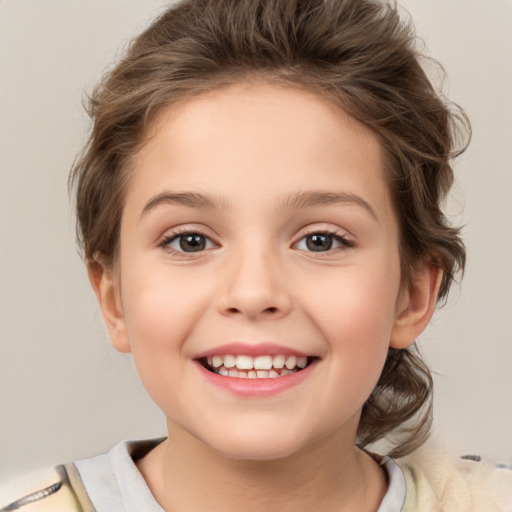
[(65, 393)]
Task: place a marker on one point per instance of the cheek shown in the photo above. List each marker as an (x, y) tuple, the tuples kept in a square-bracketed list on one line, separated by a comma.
[(357, 314), (160, 312), (160, 307)]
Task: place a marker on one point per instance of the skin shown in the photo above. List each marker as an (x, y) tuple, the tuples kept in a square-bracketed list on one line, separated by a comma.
[(250, 149)]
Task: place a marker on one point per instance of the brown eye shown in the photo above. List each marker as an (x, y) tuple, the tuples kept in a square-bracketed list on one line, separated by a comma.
[(192, 242), (188, 242), (319, 242), (322, 242)]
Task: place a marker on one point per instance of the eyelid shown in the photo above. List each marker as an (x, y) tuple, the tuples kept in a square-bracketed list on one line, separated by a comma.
[(174, 234), (345, 240)]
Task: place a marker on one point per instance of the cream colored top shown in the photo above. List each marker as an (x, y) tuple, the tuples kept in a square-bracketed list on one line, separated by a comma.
[(426, 481)]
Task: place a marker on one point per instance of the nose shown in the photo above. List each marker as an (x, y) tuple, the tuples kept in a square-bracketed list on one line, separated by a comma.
[(254, 286)]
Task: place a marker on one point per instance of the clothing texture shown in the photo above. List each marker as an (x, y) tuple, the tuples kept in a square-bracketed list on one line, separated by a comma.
[(58, 489), (426, 481), (438, 481)]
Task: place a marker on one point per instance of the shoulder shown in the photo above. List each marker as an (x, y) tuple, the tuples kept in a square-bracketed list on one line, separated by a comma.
[(108, 481), (57, 489), (437, 480)]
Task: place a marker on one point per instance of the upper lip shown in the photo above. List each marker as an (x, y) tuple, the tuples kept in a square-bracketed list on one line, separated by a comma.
[(254, 350)]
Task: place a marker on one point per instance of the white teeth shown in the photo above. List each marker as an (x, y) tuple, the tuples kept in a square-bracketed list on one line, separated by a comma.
[(263, 367), (291, 362), (244, 362), (229, 361), (263, 362), (278, 361)]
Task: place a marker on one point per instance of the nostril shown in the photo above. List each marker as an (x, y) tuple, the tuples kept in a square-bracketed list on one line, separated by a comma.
[(272, 309)]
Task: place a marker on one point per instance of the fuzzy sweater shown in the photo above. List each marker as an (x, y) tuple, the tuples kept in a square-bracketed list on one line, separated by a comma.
[(439, 482)]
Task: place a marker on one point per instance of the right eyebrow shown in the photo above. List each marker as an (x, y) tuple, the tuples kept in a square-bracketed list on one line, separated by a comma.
[(190, 199)]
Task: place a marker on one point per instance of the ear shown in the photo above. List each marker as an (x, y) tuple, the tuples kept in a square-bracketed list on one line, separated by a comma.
[(106, 286), (416, 305)]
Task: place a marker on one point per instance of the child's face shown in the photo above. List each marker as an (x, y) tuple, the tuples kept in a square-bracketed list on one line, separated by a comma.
[(258, 216)]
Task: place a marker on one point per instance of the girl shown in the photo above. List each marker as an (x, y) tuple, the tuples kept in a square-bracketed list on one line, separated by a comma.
[(259, 210)]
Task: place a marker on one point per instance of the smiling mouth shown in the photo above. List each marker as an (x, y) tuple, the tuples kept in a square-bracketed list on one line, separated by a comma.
[(260, 367)]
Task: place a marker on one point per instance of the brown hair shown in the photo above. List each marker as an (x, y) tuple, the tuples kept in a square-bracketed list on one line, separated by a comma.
[(358, 54)]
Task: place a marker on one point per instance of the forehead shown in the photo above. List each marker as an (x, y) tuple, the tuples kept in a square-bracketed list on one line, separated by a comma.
[(262, 137)]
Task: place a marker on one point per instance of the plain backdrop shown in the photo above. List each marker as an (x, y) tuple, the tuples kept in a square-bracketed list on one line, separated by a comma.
[(65, 393)]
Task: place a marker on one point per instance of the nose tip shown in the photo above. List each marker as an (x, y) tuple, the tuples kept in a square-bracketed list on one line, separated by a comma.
[(255, 306), (255, 290)]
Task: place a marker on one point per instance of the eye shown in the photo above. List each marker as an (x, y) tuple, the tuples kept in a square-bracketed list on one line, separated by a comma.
[(188, 242), (322, 242)]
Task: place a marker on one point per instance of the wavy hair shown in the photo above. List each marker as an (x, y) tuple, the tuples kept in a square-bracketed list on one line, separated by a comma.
[(362, 56)]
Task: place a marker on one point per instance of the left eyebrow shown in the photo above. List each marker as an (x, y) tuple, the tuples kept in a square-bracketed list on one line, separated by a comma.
[(311, 199), (190, 199)]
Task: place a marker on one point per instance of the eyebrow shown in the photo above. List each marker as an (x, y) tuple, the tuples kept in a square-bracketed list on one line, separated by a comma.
[(296, 201), (311, 199), (190, 199)]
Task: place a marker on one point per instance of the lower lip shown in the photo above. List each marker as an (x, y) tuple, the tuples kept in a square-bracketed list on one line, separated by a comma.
[(257, 387)]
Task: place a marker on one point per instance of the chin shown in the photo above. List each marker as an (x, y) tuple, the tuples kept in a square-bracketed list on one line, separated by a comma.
[(267, 445), (259, 451)]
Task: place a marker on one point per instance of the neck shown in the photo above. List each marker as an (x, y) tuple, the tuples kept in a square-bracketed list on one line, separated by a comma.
[(183, 474)]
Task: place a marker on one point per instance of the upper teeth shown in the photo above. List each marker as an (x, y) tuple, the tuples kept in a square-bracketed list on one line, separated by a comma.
[(257, 363)]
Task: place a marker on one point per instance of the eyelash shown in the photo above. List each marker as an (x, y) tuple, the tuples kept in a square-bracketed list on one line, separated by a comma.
[(176, 235), (344, 242)]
